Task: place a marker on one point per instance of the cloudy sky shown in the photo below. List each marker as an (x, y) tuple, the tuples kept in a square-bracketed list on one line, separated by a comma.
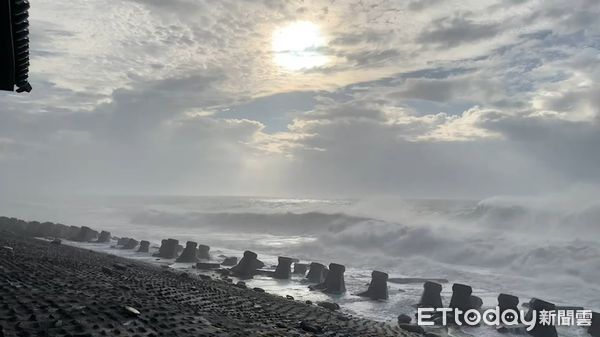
[(420, 98)]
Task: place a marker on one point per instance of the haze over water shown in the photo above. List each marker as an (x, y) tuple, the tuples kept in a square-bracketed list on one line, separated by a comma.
[(527, 247)]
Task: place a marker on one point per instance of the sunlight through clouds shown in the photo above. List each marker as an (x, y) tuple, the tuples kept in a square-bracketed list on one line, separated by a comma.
[(297, 46)]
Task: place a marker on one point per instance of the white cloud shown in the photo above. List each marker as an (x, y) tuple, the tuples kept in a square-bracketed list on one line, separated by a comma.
[(439, 98)]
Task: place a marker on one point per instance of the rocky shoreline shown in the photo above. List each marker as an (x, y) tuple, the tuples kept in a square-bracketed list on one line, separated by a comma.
[(49, 289)]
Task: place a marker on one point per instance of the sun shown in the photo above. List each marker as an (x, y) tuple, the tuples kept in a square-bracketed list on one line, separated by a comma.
[(298, 46)]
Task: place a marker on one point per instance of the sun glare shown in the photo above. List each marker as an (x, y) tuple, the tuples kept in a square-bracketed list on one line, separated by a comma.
[(297, 46)]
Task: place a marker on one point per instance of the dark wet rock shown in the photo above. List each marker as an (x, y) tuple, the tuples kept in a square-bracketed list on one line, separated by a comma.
[(144, 246), (190, 253), (334, 281), (241, 284), (476, 302), (316, 274), (329, 305), (56, 242), (378, 289), (431, 297), (541, 330), (168, 249), (308, 327), (412, 328), (122, 241), (230, 261), (168, 303), (207, 266), (104, 237), (404, 319), (594, 329), (85, 234), (284, 268), (120, 266), (258, 290), (508, 302), (289, 297), (247, 266), (131, 244), (204, 252), (300, 268)]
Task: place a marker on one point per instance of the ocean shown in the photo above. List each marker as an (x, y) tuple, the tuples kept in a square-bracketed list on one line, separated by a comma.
[(545, 247)]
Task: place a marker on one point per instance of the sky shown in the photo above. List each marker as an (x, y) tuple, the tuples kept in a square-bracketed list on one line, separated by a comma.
[(417, 98)]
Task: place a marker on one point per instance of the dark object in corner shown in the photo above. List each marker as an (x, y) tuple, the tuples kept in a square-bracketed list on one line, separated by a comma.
[(594, 329), (14, 45)]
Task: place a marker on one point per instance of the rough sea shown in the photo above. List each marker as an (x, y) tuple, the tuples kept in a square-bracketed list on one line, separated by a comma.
[(546, 247)]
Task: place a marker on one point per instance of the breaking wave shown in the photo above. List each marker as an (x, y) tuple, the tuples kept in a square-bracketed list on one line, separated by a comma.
[(544, 246), (509, 235)]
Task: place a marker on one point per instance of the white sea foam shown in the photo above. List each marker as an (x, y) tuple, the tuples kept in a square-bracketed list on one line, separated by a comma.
[(546, 247)]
